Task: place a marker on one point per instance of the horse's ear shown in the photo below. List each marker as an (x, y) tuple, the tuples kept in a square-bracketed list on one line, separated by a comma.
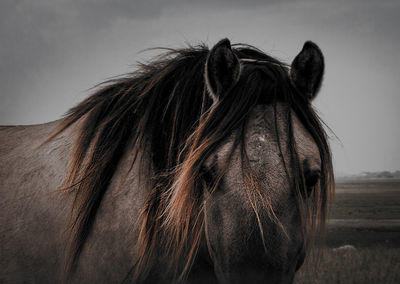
[(222, 70), (307, 70)]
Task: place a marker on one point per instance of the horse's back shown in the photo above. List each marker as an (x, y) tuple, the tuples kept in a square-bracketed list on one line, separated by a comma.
[(32, 214)]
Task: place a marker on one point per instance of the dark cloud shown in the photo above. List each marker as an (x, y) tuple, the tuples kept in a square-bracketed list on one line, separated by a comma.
[(35, 34), (32, 31)]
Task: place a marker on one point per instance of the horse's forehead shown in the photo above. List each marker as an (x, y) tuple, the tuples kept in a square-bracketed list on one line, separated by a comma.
[(261, 139), (263, 118), (264, 125)]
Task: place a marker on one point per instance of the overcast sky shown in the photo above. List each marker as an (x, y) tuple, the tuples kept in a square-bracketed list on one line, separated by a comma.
[(53, 51)]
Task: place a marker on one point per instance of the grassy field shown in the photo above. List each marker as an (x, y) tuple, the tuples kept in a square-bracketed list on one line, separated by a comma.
[(366, 215), (367, 200), (366, 265)]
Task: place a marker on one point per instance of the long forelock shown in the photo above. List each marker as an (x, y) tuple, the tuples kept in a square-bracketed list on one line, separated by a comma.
[(163, 109)]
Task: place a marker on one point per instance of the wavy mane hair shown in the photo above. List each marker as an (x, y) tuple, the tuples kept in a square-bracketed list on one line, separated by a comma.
[(164, 111)]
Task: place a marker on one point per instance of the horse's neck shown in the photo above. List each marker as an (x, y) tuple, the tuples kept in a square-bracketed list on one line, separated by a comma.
[(31, 174), (115, 231), (32, 167), (33, 214)]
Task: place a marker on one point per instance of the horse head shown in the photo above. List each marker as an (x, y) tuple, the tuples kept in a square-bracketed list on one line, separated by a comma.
[(238, 165), (267, 182)]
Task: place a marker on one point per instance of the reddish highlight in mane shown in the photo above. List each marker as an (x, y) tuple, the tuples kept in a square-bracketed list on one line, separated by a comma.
[(163, 109)]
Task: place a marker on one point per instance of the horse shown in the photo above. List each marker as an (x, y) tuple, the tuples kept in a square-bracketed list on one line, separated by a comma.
[(201, 165)]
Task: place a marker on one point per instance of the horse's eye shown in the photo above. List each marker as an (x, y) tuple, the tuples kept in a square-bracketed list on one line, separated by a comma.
[(311, 178), (207, 176)]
